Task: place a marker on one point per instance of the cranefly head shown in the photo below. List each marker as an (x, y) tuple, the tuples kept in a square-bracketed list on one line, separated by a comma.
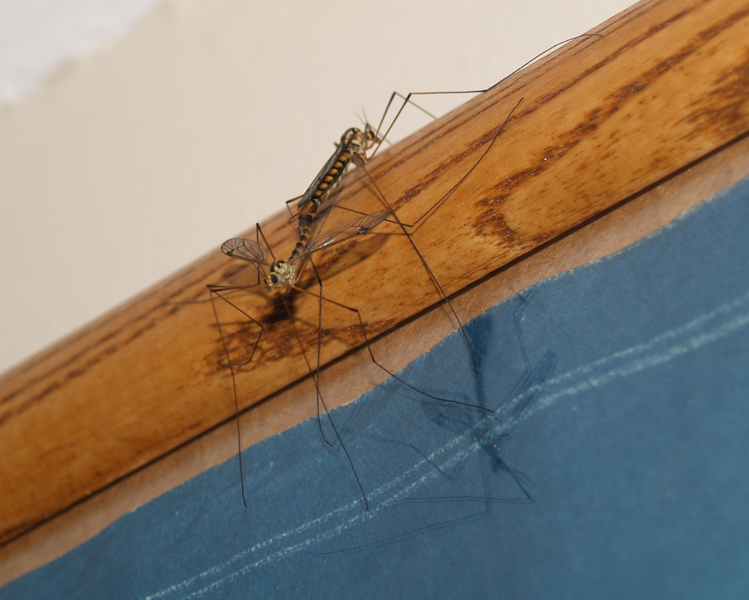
[(281, 275), (359, 141)]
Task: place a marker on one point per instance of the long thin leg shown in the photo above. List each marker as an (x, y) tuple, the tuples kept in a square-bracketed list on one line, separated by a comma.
[(315, 373), (407, 99), (430, 211), (290, 201), (417, 223), (436, 283), (217, 291), (365, 337), (423, 217)]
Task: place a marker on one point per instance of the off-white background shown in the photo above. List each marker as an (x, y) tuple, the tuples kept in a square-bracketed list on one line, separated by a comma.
[(136, 135)]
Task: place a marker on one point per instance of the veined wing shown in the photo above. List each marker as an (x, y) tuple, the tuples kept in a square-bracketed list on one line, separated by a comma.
[(350, 229), (245, 250)]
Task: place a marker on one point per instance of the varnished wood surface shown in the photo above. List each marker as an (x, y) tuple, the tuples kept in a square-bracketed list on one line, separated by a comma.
[(599, 121), (347, 379)]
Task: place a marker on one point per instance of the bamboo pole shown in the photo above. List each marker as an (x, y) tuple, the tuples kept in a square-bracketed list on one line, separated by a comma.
[(599, 121)]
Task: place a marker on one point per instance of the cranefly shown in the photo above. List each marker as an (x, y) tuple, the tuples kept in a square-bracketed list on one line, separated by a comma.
[(309, 218)]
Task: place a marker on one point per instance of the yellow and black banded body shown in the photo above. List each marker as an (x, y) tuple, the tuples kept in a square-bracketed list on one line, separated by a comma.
[(352, 147)]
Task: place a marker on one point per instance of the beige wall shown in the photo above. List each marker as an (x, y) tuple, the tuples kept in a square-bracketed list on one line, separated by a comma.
[(125, 165)]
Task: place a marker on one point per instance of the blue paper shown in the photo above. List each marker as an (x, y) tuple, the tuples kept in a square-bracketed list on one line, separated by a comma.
[(615, 464)]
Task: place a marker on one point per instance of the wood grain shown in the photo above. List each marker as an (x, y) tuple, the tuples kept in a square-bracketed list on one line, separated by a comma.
[(348, 378), (599, 121)]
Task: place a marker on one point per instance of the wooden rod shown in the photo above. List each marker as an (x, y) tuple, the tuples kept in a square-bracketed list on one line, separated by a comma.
[(599, 120)]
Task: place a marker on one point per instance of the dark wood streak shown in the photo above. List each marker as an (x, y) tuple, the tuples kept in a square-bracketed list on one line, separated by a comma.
[(488, 222), (589, 133)]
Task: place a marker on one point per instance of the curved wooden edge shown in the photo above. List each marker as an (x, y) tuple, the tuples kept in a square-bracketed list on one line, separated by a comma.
[(354, 375), (600, 120)]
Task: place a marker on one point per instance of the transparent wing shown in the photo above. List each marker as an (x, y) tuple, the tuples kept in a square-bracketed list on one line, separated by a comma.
[(348, 230), (245, 250)]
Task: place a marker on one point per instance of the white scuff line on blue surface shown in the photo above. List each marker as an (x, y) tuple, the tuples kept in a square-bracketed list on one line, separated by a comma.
[(657, 351)]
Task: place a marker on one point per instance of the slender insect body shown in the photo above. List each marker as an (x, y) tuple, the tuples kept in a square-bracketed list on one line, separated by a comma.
[(353, 147), (304, 223)]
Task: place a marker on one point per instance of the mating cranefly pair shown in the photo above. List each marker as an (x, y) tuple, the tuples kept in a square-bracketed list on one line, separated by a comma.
[(283, 277)]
